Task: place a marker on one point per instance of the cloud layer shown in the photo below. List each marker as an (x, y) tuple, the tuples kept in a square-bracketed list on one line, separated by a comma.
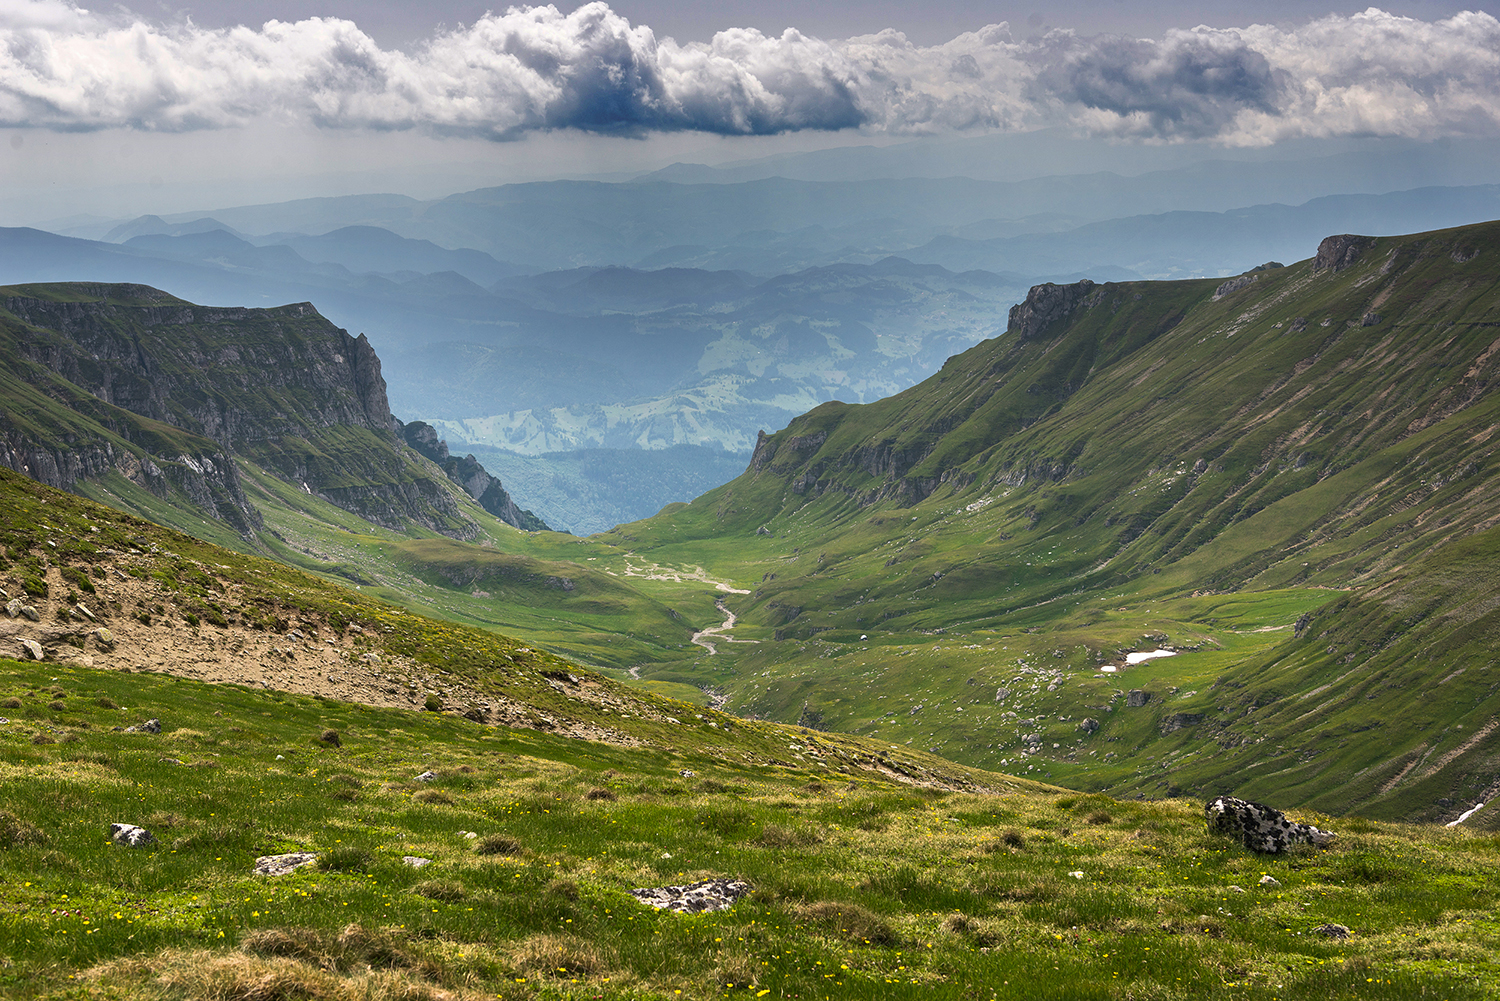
[(536, 68)]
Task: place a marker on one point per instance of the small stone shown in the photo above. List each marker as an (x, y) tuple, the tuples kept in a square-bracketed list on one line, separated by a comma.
[(428, 776), (130, 835), (1333, 931), (1076, 874), (150, 726), (104, 638), (83, 610), (295, 634), (1235, 888), (1089, 725), (330, 737), (31, 613), (687, 773), (34, 649), (281, 757), (169, 761), (415, 861), (469, 835), (280, 865), (13, 607), (1269, 881), (1137, 698)]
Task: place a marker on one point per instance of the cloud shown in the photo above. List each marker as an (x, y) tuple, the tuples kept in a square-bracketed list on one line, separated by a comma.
[(535, 68)]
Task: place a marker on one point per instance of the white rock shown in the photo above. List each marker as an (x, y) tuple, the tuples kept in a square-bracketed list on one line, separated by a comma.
[(1076, 874), (130, 835), (1269, 881), (415, 861), (280, 865), (33, 648), (427, 777)]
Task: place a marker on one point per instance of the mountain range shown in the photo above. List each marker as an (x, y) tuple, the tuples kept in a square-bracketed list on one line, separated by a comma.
[(1273, 490)]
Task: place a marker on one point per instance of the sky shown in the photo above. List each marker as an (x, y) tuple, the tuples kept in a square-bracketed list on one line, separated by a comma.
[(168, 107)]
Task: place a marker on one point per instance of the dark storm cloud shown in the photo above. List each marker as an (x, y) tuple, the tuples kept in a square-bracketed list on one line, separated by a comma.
[(1191, 85)]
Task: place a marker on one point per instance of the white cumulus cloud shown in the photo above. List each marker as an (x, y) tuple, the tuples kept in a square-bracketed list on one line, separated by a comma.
[(535, 68)]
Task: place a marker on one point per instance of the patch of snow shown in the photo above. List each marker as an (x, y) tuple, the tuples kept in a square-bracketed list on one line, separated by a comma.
[(1143, 656), (1465, 815)]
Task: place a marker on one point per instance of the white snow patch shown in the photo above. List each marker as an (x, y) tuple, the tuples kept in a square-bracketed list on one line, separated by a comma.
[(1465, 815), (1145, 655)]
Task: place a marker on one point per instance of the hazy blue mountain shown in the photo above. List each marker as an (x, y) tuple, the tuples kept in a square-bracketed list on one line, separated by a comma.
[(1191, 244), (373, 249), (589, 490)]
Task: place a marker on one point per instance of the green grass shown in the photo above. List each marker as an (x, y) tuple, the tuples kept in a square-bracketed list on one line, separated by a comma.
[(862, 888)]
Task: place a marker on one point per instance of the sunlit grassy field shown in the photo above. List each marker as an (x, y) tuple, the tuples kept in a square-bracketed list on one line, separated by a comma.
[(862, 888)]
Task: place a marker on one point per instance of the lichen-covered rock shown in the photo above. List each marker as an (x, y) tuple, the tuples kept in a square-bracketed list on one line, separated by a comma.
[(1137, 698), (694, 898), (150, 726), (130, 835), (280, 865), (33, 649), (1259, 827)]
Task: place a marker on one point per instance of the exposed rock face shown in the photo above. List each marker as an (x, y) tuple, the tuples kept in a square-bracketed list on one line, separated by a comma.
[(1179, 721), (281, 387), (467, 472), (1336, 253), (1044, 306), (1137, 698), (1259, 827)]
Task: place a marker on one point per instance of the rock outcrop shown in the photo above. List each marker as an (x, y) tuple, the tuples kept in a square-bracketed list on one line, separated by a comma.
[(1046, 304), (174, 393), (1336, 253), (486, 490), (1259, 827)]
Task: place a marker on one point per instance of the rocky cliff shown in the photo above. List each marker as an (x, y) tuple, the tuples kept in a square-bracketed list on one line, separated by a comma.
[(169, 393), (467, 472)]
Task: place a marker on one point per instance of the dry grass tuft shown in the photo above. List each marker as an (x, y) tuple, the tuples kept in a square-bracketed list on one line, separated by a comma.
[(498, 844), (432, 796), (779, 836), (600, 793), (561, 956), (15, 832), (262, 975), (849, 921), (449, 891)]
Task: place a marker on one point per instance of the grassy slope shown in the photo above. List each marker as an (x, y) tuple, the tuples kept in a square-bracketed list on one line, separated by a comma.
[(1102, 487)]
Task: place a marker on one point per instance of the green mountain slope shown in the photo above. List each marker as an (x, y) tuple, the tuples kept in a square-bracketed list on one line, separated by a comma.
[(1101, 480), (486, 846)]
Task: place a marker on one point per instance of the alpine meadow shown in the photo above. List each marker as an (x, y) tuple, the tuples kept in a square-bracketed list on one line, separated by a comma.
[(665, 501)]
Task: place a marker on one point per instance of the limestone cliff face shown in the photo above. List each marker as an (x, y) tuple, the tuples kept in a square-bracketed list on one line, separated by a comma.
[(281, 387), (486, 490), (1045, 305)]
